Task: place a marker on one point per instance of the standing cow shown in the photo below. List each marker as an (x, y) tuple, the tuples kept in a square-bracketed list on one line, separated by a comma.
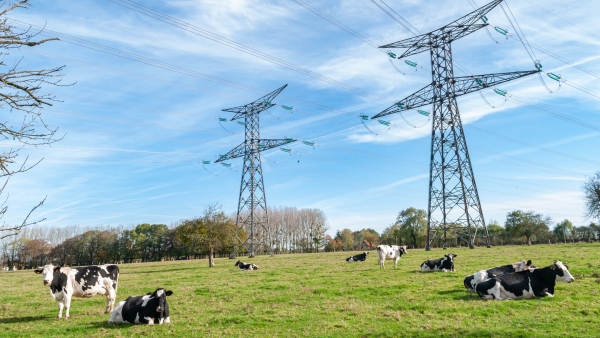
[(497, 271), (149, 309), (387, 252), (524, 284), (84, 282), (443, 264)]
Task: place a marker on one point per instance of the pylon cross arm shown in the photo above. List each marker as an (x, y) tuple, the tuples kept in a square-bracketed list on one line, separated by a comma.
[(260, 145), (255, 107), (462, 85), (453, 31)]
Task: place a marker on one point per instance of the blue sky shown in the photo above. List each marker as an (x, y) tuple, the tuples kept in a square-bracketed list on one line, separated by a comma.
[(136, 133)]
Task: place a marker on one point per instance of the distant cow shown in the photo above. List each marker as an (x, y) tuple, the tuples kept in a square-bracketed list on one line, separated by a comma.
[(246, 266), (362, 257), (443, 264), (497, 271), (84, 282), (528, 283), (387, 252), (149, 309), (5, 268)]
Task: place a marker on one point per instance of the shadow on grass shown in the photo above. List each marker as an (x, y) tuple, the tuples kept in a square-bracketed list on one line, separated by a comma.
[(460, 294), (25, 319)]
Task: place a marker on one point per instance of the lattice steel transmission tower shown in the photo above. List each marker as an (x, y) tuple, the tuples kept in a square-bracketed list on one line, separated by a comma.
[(252, 188), (454, 204)]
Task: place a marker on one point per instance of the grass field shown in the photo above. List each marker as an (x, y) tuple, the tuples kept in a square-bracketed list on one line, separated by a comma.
[(320, 295)]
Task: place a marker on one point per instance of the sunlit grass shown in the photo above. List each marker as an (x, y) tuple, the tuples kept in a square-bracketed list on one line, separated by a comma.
[(322, 295)]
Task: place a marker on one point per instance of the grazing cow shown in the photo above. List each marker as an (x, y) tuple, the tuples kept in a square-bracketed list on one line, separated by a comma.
[(443, 264), (5, 268), (497, 271), (84, 282), (386, 252), (528, 283), (149, 309), (362, 257), (246, 266)]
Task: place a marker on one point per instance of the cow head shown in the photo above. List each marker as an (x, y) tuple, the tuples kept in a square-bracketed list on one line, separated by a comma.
[(238, 263), (451, 256), (522, 265), (403, 249), (161, 294), (366, 253), (562, 272), (47, 272)]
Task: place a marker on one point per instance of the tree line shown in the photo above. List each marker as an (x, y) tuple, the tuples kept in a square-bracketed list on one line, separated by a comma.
[(520, 228), (214, 234)]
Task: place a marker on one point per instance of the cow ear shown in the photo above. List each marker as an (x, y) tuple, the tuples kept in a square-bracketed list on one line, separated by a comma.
[(454, 255), (169, 292), (57, 269), (38, 270), (148, 293), (529, 262)]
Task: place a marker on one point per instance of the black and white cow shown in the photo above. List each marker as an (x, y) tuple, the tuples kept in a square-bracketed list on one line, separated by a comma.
[(84, 282), (387, 252), (528, 283), (497, 271), (443, 264), (149, 309), (246, 266), (358, 258)]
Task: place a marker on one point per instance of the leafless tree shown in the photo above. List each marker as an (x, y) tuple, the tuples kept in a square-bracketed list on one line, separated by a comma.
[(20, 93)]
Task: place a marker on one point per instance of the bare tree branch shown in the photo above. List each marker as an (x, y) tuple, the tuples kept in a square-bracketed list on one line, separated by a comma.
[(20, 92)]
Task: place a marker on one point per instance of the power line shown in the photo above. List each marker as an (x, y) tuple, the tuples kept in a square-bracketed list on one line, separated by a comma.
[(139, 8)]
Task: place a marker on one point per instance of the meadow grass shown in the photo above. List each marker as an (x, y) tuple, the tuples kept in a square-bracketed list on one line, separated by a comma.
[(320, 295)]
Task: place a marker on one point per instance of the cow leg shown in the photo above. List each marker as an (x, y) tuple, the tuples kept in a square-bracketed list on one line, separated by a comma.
[(67, 300), (381, 265), (61, 305), (396, 261), (111, 295)]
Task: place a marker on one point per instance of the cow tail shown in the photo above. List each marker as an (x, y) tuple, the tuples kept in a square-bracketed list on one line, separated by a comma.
[(116, 285)]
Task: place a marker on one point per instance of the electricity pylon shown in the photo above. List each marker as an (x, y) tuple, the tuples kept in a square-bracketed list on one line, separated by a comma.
[(453, 199), (252, 188)]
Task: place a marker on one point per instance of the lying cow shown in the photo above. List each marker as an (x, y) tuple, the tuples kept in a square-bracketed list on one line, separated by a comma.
[(246, 266), (443, 264), (149, 309), (387, 252), (528, 283), (84, 282), (358, 258), (497, 271)]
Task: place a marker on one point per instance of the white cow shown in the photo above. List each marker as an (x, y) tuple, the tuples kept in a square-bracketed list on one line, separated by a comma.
[(390, 252), (5, 268), (84, 282)]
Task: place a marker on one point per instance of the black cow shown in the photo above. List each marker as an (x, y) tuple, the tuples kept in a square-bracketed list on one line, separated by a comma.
[(84, 282), (528, 283), (149, 309), (246, 266), (362, 257), (497, 271), (443, 264)]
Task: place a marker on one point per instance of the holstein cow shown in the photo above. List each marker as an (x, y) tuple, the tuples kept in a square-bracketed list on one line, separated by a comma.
[(362, 257), (443, 264), (84, 282), (149, 309), (497, 271), (387, 252), (246, 266), (528, 283)]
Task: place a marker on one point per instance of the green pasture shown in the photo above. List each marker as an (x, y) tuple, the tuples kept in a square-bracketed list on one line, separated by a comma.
[(320, 295)]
